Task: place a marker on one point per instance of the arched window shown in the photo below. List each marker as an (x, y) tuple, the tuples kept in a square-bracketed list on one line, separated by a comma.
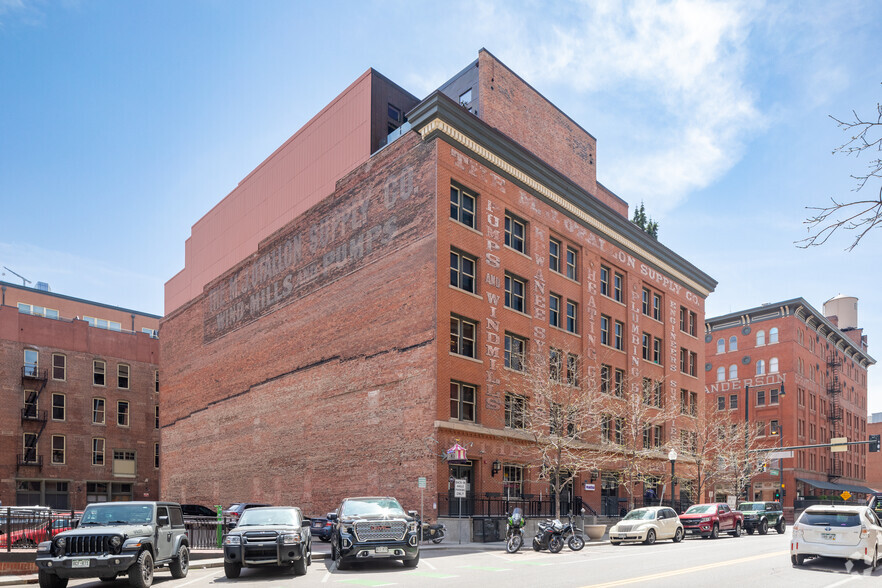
[(760, 367), (760, 338), (773, 335), (733, 371), (721, 346), (733, 343), (773, 365), (721, 374)]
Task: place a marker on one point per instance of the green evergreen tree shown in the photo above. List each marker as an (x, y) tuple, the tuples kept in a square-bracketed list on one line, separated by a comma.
[(646, 224)]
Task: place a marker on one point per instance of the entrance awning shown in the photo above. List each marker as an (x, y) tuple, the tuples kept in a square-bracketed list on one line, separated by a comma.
[(824, 485)]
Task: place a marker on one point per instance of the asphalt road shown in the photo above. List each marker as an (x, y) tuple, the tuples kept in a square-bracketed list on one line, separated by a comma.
[(754, 561)]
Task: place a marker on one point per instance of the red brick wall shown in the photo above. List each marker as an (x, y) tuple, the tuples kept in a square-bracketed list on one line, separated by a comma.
[(874, 460), (81, 344), (323, 391), (512, 106)]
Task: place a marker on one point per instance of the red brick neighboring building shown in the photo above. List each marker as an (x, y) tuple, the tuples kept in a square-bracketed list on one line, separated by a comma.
[(377, 328), (874, 459), (820, 364), (79, 387)]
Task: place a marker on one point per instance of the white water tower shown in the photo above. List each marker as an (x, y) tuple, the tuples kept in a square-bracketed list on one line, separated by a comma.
[(845, 308)]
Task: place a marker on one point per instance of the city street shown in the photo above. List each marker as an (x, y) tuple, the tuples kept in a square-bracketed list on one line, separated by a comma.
[(747, 561)]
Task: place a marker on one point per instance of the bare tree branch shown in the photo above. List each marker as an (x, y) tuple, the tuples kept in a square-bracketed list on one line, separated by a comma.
[(860, 216)]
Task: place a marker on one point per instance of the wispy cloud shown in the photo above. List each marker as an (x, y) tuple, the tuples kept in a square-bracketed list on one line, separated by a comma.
[(681, 68)]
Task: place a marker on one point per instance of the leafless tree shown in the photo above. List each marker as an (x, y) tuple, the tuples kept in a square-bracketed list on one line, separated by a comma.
[(739, 455), (863, 215)]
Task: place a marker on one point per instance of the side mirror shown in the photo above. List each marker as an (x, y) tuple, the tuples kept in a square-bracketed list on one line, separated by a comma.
[(332, 516), (414, 514), (306, 523), (231, 525), (163, 521)]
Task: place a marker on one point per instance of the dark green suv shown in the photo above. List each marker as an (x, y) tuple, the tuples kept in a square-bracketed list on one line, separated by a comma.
[(760, 516)]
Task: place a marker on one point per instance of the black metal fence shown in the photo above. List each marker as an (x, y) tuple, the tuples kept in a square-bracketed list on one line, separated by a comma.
[(26, 527), (206, 532), (496, 506)]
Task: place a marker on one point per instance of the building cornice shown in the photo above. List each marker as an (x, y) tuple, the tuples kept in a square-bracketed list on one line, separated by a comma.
[(802, 310), (438, 115)]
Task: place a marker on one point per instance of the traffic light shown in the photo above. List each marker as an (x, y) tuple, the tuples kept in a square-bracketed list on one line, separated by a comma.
[(765, 466), (874, 443), (777, 495)]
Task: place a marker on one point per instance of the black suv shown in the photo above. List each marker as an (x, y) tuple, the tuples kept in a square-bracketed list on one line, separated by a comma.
[(117, 538), (760, 516), (275, 536), (374, 528)]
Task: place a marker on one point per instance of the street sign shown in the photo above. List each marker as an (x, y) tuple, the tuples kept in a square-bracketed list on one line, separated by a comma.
[(774, 472), (780, 454), (421, 482), (845, 495), (459, 489), (838, 444)]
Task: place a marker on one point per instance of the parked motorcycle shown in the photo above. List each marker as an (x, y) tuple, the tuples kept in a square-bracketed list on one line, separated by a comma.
[(514, 531), (549, 536), (572, 535), (432, 532)]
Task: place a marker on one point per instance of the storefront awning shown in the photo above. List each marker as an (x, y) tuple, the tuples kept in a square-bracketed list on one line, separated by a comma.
[(823, 485)]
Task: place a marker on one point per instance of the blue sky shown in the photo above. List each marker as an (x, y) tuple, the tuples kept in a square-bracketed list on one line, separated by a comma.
[(122, 123)]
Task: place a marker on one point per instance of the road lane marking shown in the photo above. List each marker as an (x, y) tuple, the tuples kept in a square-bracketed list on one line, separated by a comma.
[(429, 564), (845, 581), (671, 573), (325, 577), (200, 578)]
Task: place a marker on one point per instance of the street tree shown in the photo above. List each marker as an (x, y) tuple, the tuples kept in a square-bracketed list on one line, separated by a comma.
[(740, 454), (858, 214)]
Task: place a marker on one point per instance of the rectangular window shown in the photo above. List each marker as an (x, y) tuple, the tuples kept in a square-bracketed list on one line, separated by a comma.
[(773, 396), (554, 310), (122, 413), (605, 428), (393, 113), (656, 307), (618, 281), (760, 397), (31, 362), (97, 451), (693, 322), (554, 254), (647, 348), (462, 271), (31, 404), (555, 364), (693, 364), (646, 297), (619, 342), (605, 330), (515, 411), (515, 293), (122, 376), (156, 380), (693, 403), (156, 417), (684, 401), (604, 280), (124, 463), (102, 323), (721, 403), (515, 352), (515, 233), (156, 455), (572, 268), (463, 333), (572, 326), (733, 401), (97, 411), (572, 369), (59, 367), (605, 378), (760, 428), (30, 448), (462, 206), (512, 480), (620, 383), (462, 401), (683, 360), (58, 407), (656, 350), (98, 370), (620, 430), (58, 449)]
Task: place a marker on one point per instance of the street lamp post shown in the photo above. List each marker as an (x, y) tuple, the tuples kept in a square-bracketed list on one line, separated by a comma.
[(672, 455)]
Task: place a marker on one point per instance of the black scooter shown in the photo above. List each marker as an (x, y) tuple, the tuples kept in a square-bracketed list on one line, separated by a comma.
[(549, 537)]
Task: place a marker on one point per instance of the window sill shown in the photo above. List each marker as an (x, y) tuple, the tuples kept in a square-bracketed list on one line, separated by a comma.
[(521, 253), (564, 276), (562, 330), (466, 357), (452, 287), (517, 312), (465, 226)]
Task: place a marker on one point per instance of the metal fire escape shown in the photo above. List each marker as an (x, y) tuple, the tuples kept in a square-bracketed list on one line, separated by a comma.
[(33, 379), (834, 413)]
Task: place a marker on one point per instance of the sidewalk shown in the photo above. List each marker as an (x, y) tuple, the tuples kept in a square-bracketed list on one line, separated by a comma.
[(203, 559)]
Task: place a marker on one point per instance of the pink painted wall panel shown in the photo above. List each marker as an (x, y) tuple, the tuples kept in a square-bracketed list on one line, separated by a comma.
[(296, 176)]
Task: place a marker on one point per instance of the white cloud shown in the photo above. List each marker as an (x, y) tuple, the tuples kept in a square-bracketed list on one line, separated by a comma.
[(680, 67)]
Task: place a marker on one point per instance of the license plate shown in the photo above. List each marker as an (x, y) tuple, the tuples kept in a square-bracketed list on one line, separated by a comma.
[(381, 550), (828, 536), (79, 563)]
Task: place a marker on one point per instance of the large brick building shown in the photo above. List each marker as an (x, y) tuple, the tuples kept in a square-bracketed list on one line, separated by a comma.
[(819, 362), (367, 317), (79, 389)]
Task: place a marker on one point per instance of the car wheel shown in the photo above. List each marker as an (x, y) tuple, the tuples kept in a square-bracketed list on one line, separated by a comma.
[(737, 531), (678, 535), (875, 563), (794, 561), (180, 565), (341, 565), (299, 567), (763, 527), (715, 532), (555, 544), (749, 530), (141, 572), (309, 554), (232, 570), (576, 543), (781, 526), (650, 537), (48, 580), (412, 563)]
